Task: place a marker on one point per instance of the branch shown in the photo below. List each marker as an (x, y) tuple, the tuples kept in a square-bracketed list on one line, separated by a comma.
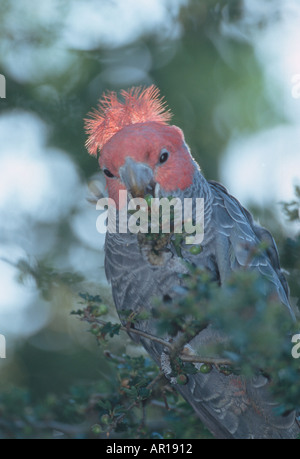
[(133, 404), (198, 359), (130, 330), (171, 346)]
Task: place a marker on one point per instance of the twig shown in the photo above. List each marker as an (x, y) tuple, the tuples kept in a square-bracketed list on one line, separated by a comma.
[(211, 360), (164, 343), (135, 403), (131, 330), (184, 338), (157, 378), (168, 407), (163, 393), (111, 356), (143, 419)]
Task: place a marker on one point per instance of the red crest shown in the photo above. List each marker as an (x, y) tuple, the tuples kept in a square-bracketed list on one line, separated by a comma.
[(139, 105)]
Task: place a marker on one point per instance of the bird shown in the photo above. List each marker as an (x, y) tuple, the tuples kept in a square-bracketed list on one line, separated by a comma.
[(141, 153)]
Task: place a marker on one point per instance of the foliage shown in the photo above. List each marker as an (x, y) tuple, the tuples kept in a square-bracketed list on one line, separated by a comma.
[(137, 400), (260, 329)]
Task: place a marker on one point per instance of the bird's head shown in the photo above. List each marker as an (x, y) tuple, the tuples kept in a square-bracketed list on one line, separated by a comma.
[(139, 151)]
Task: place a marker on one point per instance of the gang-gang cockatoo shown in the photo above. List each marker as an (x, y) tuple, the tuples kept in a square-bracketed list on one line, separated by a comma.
[(142, 153)]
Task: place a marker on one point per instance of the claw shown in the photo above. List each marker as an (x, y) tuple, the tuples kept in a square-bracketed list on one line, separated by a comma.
[(166, 367)]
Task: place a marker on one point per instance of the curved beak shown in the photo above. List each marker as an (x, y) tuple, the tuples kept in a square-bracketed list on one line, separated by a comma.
[(138, 178)]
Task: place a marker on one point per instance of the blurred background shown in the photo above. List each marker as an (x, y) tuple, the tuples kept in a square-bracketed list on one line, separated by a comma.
[(230, 73)]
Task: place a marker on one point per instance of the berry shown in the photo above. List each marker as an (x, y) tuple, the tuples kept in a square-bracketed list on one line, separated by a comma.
[(96, 429), (100, 310), (95, 330), (105, 419), (196, 249), (205, 368), (182, 379)]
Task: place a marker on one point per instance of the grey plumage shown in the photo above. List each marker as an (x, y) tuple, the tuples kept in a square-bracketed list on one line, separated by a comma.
[(230, 406)]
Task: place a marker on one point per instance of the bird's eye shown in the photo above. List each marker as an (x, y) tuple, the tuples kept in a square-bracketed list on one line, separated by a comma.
[(108, 173), (163, 156)]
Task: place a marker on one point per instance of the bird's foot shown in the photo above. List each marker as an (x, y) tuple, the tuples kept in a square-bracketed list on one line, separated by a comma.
[(166, 367)]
